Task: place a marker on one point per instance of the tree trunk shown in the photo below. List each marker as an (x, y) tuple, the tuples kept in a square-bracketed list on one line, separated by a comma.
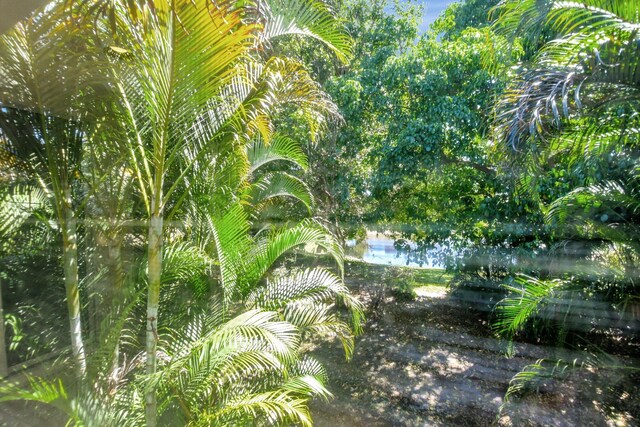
[(115, 290), (4, 367), (153, 300), (116, 269), (70, 265)]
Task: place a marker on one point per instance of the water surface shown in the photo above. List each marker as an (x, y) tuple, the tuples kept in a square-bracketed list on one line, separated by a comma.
[(381, 250)]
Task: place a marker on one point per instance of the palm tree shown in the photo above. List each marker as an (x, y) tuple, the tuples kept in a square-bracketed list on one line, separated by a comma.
[(216, 372), (46, 114), (192, 83), (579, 102), (576, 104)]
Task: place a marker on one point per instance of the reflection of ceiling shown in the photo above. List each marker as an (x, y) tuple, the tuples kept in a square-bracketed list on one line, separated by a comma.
[(14, 10)]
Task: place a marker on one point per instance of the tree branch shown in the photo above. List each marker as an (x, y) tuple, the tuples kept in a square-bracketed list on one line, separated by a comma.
[(477, 166)]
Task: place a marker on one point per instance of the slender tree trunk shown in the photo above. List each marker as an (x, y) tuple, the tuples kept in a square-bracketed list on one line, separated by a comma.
[(4, 366), (155, 236), (110, 287), (116, 269), (115, 288), (70, 265), (153, 300)]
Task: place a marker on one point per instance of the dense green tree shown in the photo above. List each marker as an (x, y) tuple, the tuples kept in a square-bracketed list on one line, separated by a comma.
[(415, 154), (462, 15), (340, 168)]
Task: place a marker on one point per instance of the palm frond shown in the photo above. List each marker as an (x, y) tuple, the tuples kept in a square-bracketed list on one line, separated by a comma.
[(306, 18), (17, 205), (185, 264), (82, 408), (527, 17), (590, 68), (320, 321), (523, 303), (216, 363), (40, 390), (279, 184), (308, 300), (280, 147), (275, 407), (534, 375), (306, 285), (604, 210), (270, 248), (307, 385), (230, 234), (595, 15)]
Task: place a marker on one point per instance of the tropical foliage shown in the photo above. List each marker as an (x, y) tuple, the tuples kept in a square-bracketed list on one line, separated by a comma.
[(167, 122), (161, 159), (574, 110), (576, 107)]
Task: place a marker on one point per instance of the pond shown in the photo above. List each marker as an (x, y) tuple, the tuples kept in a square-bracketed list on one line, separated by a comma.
[(382, 250)]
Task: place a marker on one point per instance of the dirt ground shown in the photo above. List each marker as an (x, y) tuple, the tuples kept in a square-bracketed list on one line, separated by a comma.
[(432, 362)]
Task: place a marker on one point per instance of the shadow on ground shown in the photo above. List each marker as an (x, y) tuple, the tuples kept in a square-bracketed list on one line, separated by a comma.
[(433, 362)]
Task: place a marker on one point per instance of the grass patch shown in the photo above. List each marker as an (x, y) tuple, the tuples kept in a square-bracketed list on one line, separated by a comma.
[(406, 280), (431, 281), (405, 284), (433, 277)]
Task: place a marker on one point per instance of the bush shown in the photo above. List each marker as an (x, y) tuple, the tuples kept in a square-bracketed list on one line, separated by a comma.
[(403, 292), (400, 283)]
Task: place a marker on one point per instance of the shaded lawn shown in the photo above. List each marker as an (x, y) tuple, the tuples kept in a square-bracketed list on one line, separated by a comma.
[(431, 280), (435, 362)]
